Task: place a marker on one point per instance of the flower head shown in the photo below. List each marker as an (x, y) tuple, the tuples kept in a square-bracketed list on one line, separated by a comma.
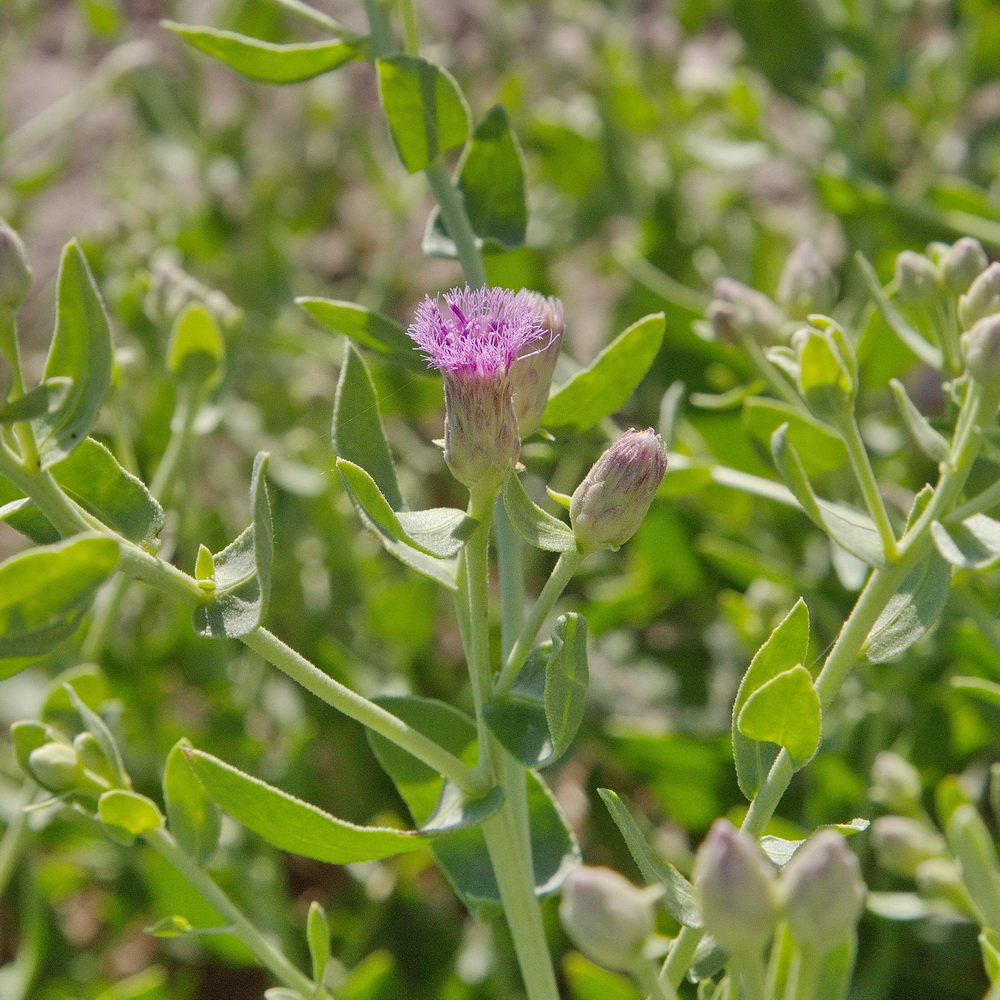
[(473, 336), (531, 372)]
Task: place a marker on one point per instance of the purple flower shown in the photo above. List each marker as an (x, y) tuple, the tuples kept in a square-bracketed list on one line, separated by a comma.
[(473, 336)]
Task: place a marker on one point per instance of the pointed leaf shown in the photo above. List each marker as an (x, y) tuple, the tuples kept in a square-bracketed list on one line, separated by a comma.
[(566, 679), (289, 823), (787, 646), (911, 611), (603, 387), (43, 400), (932, 443), (679, 896), (536, 526), (357, 428), (44, 593), (519, 721), (369, 329), (81, 352), (491, 182), (193, 817), (242, 571), (785, 711), (318, 938), (424, 105), (850, 529), (98, 728), (820, 449), (266, 61), (973, 544)]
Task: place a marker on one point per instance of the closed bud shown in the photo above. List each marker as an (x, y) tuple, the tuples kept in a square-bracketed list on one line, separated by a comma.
[(736, 889), (531, 372), (606, 917), (609, 505), (807, 284), (15, 274), (918, 281), (823, 891), (895, 784), (901, 844), (982, 299), (981, 345), (961, 264), (737, 311), (57, 767)]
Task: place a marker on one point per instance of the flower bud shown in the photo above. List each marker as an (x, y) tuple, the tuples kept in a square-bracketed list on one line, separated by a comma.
[(981, 345), (823, 891), (606, 917), (807, 284), (15, 273), (57, 767), (737, 311), (918, 281), (982, 299), (901, 844), (531, 372), (895, 784), (736, 889), (961, 263), (827, 379), (609, 505)]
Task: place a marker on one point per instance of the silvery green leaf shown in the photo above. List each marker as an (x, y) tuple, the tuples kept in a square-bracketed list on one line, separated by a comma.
[(536, 526), (973, 544)]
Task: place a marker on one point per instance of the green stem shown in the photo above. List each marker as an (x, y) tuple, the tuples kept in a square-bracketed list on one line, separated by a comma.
[(510, 565), (804, 977), (181, 429), (411, 33), (752, 975), (650, 984), (15, 836), (456, 222), (562, 573), (264, 951), (680, 956), (865, 476), (359, 708), (380, 30)]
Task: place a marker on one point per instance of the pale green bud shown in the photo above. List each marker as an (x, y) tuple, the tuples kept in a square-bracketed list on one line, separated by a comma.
[(737, 890), (606, 917), (807, 284), (827, 378), (918, 281), (531, 372), (901, 844), (57, 767), (982, 299), (15, 273), (823, 891), (608, 506), (961, 264), (737, 311), (981, 345), (895, 784)]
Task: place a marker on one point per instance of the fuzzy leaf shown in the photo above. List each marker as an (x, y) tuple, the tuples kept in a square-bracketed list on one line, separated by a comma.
[(566, 677), (932, 443), (536, 526), (785, 711), (193, 817), (973, 544)]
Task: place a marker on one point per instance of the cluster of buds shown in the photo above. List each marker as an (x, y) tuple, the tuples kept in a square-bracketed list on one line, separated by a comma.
[(496, 350), (819, 892)]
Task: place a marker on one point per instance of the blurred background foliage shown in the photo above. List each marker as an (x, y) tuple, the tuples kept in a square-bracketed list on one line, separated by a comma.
[(667, 144)]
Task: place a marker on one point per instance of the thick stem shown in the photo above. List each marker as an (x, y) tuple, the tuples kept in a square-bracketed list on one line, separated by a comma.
[(562, 573), (456, 222), (264, 951), (359, 708)]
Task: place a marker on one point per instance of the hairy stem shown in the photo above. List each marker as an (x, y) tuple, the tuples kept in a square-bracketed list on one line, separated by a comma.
[(456, 222)]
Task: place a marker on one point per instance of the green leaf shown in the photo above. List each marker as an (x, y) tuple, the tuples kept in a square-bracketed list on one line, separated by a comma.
[(266, 61), (289, 823), (81, 351), (29, 734), (986, 691), (93, 478), (440, 531), (536, 526), (23, 516), (195, 350), (851, 530), (603, 387), (678, 897), (193, 817), (491, 181), (318, 938), (519, 721), (45, 592), (242, 571), (357, 428), (566, 679), (821, 449), (41, 401), (590, 982), (786, 647), (369, 329), (103, 736), (785, 711), (973, 544), (911, 611), (780, 850), (126, 815), (933, 444), (424, 105)]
